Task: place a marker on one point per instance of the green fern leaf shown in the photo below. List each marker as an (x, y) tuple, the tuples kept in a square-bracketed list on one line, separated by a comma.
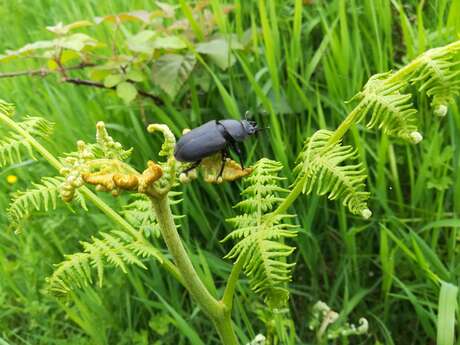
[(7, 109), (116, 248), (321, 170), (391, 110), (13, 145), (260, 235), (439, 76), (42, 196)]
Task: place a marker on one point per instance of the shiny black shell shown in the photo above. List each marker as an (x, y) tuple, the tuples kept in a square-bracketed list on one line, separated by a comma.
[(200, 142)]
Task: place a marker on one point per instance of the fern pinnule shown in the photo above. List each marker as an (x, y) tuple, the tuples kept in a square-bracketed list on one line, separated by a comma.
[(115, 248), (439, 76), (12, 145), (260, 235), (320, 170), (390, 109), (7, 109), (42, 196)]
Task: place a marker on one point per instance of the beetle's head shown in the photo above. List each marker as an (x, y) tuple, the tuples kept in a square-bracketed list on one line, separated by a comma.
[(249, 126)]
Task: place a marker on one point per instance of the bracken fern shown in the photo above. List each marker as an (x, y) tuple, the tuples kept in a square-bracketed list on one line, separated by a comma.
[(43, 196), (116, 248), (320, 169), (12, 145), (260, 234)]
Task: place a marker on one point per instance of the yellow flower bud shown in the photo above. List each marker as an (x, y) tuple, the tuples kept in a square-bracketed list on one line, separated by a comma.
[(11, 179)]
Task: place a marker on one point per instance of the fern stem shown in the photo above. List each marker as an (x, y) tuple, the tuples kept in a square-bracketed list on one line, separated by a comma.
[(174, 243), (229, 292), (216, 310), (89, 195), (225, 329)]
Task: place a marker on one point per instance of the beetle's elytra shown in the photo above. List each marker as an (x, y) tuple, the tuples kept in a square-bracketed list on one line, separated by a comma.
[(212, 137)]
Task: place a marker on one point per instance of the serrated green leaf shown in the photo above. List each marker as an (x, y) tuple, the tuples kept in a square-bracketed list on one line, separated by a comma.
[(135, 75), (126, 91), (61, 29), (77, 42), (98, 74), (170, 72), (142, 42), (112, 80), (219, 51), (170, 42), (143, 16)]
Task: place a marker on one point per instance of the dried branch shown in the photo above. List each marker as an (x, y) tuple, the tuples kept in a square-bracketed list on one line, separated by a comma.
[(44, 72)]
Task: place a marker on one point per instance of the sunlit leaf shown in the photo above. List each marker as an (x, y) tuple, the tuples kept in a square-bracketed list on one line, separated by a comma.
[(170, 72), (126, 91), (61, 29), (135, 75), (112, 80), (142, 42), (170, 42), (219, 51), (143, 16), (98, 74), (168, 9), (77, 42)]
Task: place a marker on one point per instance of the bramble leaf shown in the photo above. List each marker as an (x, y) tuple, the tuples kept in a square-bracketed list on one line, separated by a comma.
[(126, 91), (170, 72)]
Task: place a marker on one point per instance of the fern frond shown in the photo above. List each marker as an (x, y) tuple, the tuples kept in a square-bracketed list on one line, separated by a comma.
[(320, 169), (139, 213), (42, 196), (13, 145), (390, 109), (260, 235), (116, 248), (7, 109), (439, 76)]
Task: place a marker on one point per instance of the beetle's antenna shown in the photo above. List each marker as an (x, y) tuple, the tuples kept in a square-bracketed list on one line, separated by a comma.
[(247, 114), (261, 129)]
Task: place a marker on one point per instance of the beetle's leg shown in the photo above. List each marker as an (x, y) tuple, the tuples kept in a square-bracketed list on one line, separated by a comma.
[(190, 168), (224, 158), (237, 149)]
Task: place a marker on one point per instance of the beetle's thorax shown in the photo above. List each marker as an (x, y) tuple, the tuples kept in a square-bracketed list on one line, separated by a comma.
[(234, 129)]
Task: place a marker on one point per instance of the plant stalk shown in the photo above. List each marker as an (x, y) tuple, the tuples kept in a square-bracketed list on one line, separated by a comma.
[(216, 310)]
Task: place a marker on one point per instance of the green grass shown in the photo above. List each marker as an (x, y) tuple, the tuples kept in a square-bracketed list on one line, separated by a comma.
[(400, 270)]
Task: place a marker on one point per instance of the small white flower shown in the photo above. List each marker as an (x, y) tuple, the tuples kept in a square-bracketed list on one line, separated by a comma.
[(366, 213), (416, 137), (440, 110), (258, 340)]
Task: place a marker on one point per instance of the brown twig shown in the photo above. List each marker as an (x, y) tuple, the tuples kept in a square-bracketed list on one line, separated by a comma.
[(43, 72), (77, 81)]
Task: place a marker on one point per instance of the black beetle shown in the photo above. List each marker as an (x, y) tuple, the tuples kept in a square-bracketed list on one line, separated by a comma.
[(212, 137)]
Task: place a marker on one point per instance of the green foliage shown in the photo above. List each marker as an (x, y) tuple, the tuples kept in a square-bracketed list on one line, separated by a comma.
[(391, 110), (157, 48), (116, 248), (438, 76), (43, 196), (308, 57), (261, 235), (320, 170), (13, 145)]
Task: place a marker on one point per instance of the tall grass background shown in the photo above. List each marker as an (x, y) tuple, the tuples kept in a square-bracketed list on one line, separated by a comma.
[(399, 270)]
